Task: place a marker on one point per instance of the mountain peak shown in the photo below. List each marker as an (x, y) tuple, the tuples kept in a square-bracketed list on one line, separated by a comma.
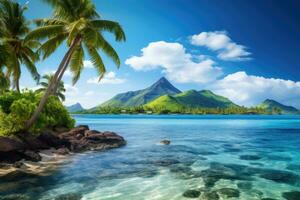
[(165, 84), (270, 104)]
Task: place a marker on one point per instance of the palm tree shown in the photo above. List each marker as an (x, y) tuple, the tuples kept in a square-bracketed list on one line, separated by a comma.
[(60, 89), (14, 28), (78, 23)]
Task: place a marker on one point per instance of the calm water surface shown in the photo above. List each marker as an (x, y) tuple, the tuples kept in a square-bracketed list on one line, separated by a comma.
[(256, 156)]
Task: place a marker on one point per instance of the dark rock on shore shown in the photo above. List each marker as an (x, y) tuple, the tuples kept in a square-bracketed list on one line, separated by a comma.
[(77, 139)]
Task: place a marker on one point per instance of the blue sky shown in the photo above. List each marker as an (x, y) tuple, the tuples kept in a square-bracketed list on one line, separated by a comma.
[(245, 50)]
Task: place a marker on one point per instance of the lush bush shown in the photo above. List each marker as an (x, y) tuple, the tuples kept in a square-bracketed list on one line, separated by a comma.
[(16, 109)]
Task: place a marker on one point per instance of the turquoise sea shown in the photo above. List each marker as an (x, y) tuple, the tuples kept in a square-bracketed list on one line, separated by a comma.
[(210, 157)]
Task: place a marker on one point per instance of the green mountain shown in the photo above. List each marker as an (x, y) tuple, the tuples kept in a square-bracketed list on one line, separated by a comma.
[(75, 108), (141, 97), (192, 99), (272, 105)]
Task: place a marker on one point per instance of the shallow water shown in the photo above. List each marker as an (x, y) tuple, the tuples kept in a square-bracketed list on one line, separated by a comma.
[(259, 156)]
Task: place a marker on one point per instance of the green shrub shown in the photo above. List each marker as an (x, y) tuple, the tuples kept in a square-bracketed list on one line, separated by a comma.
[(16, 109)]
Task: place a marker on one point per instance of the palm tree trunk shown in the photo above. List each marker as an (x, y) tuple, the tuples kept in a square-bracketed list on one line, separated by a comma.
[(17, 86), (51, 88)]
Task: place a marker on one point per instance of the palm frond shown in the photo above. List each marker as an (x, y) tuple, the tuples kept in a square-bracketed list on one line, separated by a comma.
[(76, 64), (97, 61), (111, 26)]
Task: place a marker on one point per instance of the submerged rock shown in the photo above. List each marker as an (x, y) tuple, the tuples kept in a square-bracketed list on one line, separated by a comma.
[(250, 157), (228, 192), (280, 176), (244, 185), (32, 156), (70, 196), (14, 197), (268, 198), (209, 196), (191, 193), (294, 167), (292, 195)]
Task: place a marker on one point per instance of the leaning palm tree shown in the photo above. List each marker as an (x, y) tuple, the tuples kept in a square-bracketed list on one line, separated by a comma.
[(14, 28), (60, 89), (78, 23)]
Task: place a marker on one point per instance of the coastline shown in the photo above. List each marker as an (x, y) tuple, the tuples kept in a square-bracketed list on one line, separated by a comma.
[(46, 152)]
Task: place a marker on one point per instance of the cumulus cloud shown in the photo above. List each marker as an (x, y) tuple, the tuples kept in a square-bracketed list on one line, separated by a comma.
[(177, 64), (109, 78), (250, 90), (220, 42)]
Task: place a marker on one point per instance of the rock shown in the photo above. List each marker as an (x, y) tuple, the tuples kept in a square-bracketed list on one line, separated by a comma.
[(292, 195), (52, 140), (20, 165), (228, 192), (268, 199), (70, 196), (250, 157), (91, 132), (280, 176), (61, 130), (10, 157), (209, 196), (62, 151), (191, 193), (9, 145), (34, 143), (165, 142), (32, 156), (14, 197), (244, 185)]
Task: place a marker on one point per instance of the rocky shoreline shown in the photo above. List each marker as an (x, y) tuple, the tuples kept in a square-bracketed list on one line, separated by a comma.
[(28, 154)]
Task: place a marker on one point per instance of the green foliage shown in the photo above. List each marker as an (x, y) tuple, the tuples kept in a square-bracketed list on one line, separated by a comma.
[(19, 52), (275, 107), (60, 89), (77, 22), (16, 108), (176, 110)]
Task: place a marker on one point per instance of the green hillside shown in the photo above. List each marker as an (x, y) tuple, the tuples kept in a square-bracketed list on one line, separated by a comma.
[(141, 97), (191, 99), (271, 105)]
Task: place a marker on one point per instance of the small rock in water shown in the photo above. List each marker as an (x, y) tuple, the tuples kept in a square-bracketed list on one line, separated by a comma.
[(32, 156), (191, 193), (229, 192), (165, 142), (250, 157), (70, 196), (292, 195), (209, 196)]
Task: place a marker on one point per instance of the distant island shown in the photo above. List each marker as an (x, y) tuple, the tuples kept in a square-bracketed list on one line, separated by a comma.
[(163, 98)]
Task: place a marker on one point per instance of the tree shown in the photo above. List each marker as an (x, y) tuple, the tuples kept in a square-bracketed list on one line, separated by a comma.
[(60, 89), (14, 28), (78, 23)]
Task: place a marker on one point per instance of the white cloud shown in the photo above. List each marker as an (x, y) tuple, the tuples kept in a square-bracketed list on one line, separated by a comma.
[(176, 63), (250, 90), (88, 64), (220, 42), (109, 78), (89, 93), (71, 90)]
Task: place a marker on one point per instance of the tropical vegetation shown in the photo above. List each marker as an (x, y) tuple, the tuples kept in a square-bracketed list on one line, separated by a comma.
[(75, 23)]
